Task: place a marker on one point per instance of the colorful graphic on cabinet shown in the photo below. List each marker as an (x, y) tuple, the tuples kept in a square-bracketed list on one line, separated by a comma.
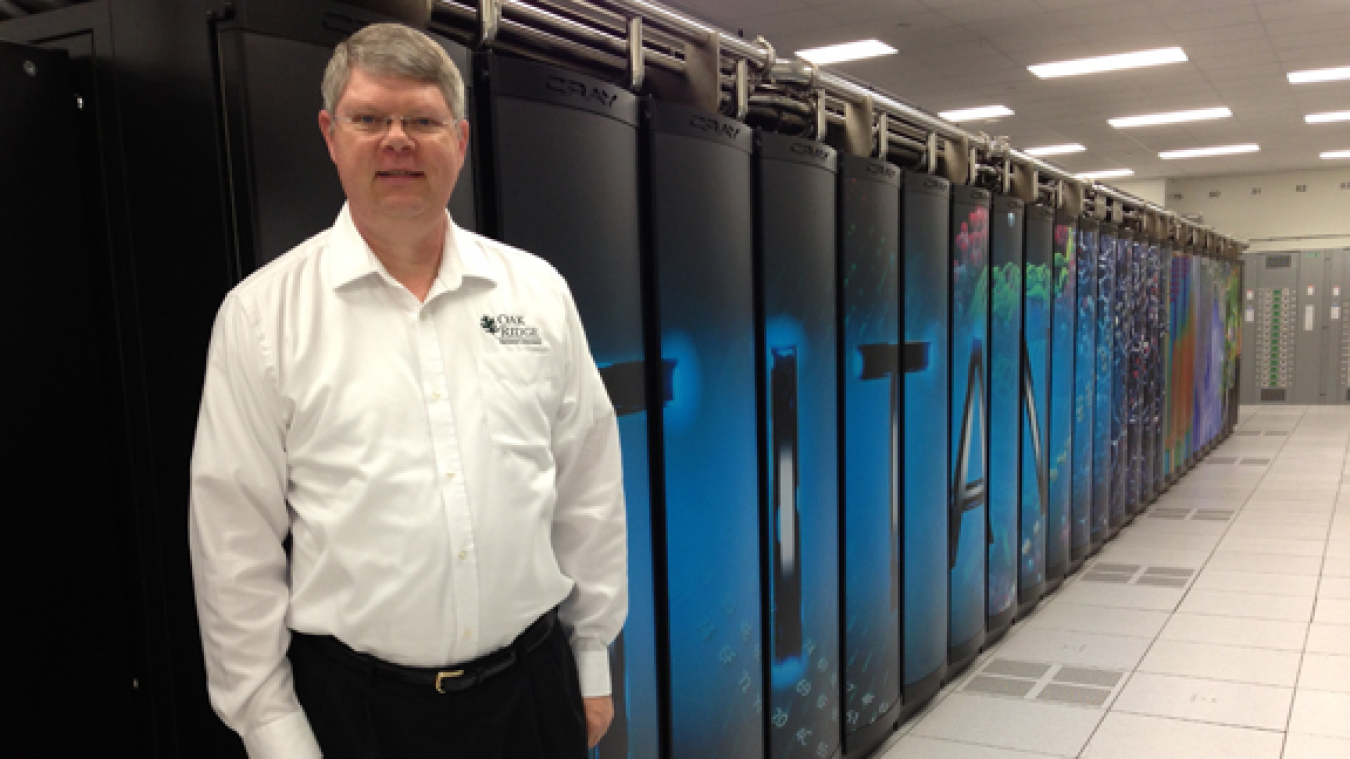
[(1164, 362), (1060, 448), (874, 366), (1084, 388), (798, 235), (1152, 389), (1005, 374), (926, 210), (1038, 288), (700, 208), (1102, 411), (1183, 363), (1232, 339), (967, 545), (1134, 377), (1121, 329)]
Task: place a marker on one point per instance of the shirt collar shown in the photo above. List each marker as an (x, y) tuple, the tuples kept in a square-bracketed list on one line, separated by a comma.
[(350, 258)]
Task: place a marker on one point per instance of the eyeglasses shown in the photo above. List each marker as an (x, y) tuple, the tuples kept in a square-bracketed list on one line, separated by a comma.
[(371, 124)]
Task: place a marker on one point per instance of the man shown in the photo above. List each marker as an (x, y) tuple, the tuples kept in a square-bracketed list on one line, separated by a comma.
[(417, 408)]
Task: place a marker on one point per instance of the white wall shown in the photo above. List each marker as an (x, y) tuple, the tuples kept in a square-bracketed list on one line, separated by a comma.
[(1271, 210), (1152, 190)]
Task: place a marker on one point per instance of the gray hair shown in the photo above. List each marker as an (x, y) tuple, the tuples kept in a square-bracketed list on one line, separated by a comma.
[(393, 50)]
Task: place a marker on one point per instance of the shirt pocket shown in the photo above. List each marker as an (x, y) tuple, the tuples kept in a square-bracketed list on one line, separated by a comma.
[(518, 395)]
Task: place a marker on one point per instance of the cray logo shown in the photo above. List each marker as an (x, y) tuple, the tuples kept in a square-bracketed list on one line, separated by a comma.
[(713, 126), (810, 151), (573, 88), (884, 169), (510, 329)]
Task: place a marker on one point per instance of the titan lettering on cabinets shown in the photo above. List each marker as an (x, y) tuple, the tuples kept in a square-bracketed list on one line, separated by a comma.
[(925, 280), (875, 361), (1038, 287), (968, 541), (699, 197), (1007, 227), (795, 213)]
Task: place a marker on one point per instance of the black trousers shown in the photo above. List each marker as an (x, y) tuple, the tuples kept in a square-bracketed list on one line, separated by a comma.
[(533, 710)]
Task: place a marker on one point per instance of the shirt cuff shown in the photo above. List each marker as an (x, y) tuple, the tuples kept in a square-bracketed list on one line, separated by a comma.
[(593, 671), (289, 737)]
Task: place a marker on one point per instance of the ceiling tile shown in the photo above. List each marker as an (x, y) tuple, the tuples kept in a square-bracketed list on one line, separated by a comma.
[(1294, 9), (1186, 19), (773, 25), (1316, 56), (1233, 37), (1331, 35), (1003, 9), (888, 11), (1060, 5)]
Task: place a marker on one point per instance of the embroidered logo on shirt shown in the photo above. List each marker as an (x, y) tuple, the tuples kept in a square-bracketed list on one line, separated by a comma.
[(510, 329)]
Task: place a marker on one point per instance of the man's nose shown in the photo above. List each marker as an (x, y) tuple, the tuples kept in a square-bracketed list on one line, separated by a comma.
[(396, 137)]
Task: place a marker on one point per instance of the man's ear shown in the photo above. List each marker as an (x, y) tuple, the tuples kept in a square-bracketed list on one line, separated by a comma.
[(462, 133), (326, 127)]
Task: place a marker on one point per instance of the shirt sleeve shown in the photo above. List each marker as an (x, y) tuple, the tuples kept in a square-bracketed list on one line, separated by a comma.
[(589, 531), (237, 522)]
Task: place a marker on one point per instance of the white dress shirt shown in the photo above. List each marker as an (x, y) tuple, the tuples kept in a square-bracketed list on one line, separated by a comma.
[(448, 471)]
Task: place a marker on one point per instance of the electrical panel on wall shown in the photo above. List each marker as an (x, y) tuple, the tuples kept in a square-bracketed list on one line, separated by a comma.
[(1308, 347), (1276, 307), (1342, 332), (1336, 350)]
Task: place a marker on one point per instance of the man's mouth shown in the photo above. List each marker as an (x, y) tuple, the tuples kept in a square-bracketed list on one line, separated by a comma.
[(399, 173)]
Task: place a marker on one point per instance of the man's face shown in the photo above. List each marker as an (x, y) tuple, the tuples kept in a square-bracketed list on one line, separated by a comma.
[(394, 175)]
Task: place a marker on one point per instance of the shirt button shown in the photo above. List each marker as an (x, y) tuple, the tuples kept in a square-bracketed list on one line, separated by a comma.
[(468, 634), (463, 555), (449, 475), (435, 395)]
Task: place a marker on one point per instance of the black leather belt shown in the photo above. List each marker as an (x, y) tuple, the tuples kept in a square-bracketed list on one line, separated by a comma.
[(455, 677)]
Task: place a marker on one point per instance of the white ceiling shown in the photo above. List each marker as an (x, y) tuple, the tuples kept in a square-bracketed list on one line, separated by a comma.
[(966, 53)]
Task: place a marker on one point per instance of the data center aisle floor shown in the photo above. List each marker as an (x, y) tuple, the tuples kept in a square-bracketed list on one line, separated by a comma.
[(1217, 625)]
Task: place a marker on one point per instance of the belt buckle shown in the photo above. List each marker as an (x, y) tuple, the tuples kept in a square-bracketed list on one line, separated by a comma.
[(448, 674)]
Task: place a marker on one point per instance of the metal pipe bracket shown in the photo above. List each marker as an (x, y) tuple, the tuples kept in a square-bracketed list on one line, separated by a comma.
[(700, 86)]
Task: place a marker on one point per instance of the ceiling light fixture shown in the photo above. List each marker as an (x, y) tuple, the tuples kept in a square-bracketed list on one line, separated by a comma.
[(847, 51), (977, 114), (1055, 150), (1106, 174), (1336, 154), (1110, 63), (1319, 75), (1323, 118), (1175, 117), (1170, 155)]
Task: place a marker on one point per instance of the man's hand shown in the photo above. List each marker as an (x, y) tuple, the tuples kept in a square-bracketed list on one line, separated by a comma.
[(599, 713)]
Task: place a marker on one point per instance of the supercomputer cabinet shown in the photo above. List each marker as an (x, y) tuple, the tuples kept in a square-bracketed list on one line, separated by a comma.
[(699, 179)]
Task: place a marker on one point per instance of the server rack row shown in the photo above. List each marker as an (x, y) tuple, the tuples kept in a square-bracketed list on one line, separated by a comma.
[(817, 543), (890, 311)]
